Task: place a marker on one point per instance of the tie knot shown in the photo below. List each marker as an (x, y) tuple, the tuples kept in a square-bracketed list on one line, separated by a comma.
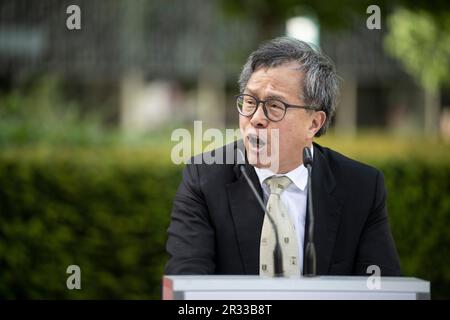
[(277, 184)]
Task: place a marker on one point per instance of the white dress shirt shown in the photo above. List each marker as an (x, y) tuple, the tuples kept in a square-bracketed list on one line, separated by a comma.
[(294, 197)]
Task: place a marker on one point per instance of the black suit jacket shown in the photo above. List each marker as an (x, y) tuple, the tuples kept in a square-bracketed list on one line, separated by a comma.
[(216, 221)]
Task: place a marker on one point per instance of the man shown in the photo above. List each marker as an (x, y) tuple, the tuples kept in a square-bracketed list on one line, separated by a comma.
[(217, 225)]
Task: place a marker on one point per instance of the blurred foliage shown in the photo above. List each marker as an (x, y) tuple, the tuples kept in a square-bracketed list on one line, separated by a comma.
[(421, 41), (107, 210), (419, 211), (38, 112), (332, 15), (375, 146)]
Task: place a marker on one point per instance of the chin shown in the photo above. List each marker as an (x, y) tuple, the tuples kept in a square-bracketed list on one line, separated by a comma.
[(260, 159)]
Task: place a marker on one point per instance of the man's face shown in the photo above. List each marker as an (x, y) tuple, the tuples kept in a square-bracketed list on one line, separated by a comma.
[(295, 131)]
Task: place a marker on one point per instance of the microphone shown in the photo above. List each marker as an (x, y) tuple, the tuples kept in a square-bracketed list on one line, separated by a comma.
[(310, 254), (277, 254)]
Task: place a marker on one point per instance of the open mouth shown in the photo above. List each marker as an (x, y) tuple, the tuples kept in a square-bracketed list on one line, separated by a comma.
[(256, 142)]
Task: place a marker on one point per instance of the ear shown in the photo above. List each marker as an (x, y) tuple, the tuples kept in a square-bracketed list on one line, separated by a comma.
[(317, 121)]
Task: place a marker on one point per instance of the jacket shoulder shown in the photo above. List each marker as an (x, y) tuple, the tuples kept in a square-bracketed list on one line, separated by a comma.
[(343, 165), (216, 165)]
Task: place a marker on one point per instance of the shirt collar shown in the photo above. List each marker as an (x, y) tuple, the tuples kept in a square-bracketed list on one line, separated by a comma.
[(299, 176)]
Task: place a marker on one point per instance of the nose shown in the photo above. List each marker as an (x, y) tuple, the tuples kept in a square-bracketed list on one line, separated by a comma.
[(259, 119)]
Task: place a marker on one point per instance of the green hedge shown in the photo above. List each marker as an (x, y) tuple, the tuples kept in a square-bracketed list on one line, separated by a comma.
[(419, 211), (108, 210)]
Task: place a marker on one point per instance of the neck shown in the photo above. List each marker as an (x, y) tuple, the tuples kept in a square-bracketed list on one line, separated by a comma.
[(285, 168), (290, 167)]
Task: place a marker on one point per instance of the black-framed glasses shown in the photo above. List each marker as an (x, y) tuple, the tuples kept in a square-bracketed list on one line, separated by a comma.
[(274, 109)]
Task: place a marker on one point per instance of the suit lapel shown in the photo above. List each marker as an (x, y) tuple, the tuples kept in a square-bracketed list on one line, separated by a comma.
[(248, 218), (327, 210)]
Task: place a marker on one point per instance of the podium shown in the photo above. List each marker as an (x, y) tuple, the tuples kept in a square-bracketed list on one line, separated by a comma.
[(299, 288)]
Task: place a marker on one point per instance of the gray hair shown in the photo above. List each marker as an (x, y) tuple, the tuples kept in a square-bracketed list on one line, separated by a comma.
[(320, 86)]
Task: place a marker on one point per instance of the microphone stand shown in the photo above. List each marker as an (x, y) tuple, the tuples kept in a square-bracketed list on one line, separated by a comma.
[(277, 254), (310, 254)]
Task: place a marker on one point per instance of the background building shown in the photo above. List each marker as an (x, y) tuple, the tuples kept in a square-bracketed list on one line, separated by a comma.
[(143, 65)]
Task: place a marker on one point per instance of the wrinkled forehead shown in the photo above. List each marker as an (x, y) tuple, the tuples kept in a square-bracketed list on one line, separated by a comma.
[(284, 80)]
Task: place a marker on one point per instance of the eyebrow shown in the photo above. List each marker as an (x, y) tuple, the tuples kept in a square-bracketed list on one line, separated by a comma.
[(272, 96)]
